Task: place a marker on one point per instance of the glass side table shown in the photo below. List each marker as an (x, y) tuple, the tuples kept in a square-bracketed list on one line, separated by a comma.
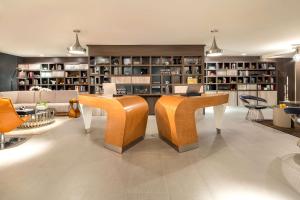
[(37, 117)]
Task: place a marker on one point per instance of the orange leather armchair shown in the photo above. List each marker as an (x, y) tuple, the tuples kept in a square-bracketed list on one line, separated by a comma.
[(9, 119)]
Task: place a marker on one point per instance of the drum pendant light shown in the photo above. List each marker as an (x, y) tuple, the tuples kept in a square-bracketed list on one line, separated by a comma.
[(214, 49), (76, 48)]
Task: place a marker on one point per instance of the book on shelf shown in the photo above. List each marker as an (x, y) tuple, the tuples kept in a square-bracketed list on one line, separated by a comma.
[(211, 73), (126, 61), (211, 67), (221, 73), (74, 67), (242, 87), (22, 74), (191, 80), (102, 60), (251, 86), (244, 73), (191, 61), (231, 72), (57, 74), (117, 71), (46, 74), (140, 79), (121, 79)]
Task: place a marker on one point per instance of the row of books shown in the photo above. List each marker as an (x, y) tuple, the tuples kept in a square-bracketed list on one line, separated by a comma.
[(37, 67)]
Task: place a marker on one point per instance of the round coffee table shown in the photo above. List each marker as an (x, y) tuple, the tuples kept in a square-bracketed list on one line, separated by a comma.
[(37, 117)]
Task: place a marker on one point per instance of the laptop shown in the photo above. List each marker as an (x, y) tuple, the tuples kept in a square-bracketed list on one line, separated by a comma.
[(193, 90)]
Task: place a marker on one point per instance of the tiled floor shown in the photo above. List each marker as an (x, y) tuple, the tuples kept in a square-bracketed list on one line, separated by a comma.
[(246, 162)]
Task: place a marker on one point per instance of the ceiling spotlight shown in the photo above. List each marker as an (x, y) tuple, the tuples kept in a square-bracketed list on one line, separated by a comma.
[(76, 48), (243, 54), (296, 57), (214, 49)]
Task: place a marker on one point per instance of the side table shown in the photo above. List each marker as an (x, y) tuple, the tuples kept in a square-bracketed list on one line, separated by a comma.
[(74, 111), (280, 118)]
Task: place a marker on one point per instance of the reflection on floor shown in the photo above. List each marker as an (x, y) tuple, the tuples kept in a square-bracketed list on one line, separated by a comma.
[(248, 161)]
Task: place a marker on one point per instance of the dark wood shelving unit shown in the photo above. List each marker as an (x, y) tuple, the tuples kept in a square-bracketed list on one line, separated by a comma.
[(72, 75), (262, 75), (145, 69), (244, 75)]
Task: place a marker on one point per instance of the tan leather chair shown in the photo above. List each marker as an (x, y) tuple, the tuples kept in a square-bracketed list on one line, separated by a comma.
[(9, 119)]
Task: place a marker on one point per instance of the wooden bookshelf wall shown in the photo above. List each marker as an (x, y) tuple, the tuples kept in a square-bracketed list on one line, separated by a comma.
[(261, 76), (53, 73), (242, 76), (145, 69)]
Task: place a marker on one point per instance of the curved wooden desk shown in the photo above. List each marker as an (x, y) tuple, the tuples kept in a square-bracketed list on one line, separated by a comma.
[(175, 118), (126, 118)]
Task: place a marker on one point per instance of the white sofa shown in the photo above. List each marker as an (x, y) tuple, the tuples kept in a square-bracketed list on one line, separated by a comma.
[(59, 99)]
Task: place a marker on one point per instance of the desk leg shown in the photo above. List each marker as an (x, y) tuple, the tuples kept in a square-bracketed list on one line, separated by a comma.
[(218, 115), (87, 116)]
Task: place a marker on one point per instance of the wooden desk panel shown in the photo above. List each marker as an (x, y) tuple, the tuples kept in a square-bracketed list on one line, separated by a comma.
[(126, 118), (175, 117)]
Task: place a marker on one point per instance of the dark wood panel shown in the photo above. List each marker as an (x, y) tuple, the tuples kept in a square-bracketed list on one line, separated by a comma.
[(297, 81), (286, 67), (8, 65), (151, 100), (35, 60), (146, 50)]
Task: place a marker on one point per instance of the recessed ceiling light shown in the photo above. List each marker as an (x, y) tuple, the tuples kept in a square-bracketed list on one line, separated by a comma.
[(243, 54), (42, 55)]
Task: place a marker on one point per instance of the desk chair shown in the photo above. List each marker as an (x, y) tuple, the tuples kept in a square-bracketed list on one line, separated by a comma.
[(254, 105)]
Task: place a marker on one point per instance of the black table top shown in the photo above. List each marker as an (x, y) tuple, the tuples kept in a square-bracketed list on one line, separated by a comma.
[(291, 103), (26, 111)]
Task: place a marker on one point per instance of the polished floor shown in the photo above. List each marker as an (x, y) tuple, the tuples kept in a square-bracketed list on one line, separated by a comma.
[(248, 161)]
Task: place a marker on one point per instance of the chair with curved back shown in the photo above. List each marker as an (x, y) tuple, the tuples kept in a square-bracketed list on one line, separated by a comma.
[(9, 119), (294, 113), (255, 105)]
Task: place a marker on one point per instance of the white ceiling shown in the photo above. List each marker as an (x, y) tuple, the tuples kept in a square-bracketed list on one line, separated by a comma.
[(255, 27)]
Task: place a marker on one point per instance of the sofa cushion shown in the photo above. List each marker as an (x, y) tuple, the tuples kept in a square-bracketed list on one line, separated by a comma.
[(63, 96), (59, 107), (37, 96), (48, 96), (26, 97), (12, 95)]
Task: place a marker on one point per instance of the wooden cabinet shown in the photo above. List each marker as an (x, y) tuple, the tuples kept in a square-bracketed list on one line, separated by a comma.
[(270, 96)]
